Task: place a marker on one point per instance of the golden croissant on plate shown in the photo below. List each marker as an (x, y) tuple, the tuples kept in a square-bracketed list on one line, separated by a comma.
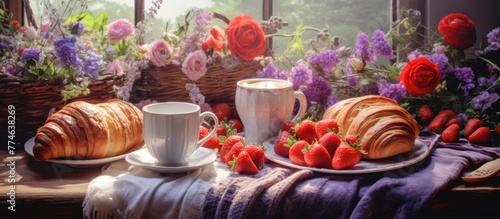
[(82, 130), (385, 128)]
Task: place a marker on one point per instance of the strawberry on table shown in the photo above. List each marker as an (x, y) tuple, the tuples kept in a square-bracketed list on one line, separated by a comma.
[(317, 156), (283, 144), (213, 142), (326, 125), (227, 144), (306, 130), (243, 164), (481, 135), (233, 152), (439, 122), (258, 155), (296, 155), (472, 125), (236, 124), (350, 139), (331, 142), (451, 133), (346, 156), (222, 110), (425, 113), (289, 126)]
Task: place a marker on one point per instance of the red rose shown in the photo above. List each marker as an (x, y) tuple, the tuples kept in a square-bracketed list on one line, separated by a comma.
[(246, 40), (420, 76), (458, 30)]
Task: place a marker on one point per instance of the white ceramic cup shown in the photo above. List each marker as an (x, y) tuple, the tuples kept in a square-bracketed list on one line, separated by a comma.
[(264, 105), (171, 131)]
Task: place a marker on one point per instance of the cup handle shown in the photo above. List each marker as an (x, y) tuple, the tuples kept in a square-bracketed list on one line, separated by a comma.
[(302, 104), (203, 115)]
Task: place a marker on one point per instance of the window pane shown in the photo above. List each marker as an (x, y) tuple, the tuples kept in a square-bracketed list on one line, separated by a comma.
[(344, 18), (174, 12), (120, 8)]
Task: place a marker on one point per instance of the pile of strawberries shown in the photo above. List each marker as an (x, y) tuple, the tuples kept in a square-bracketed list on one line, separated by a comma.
[(232, 149), (446, 122), (318, 145)]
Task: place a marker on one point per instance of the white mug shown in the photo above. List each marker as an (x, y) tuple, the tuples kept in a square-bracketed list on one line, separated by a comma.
[(264, 105), (171, 131)]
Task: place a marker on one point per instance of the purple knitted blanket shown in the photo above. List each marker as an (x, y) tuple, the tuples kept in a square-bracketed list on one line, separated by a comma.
[(281, 192)]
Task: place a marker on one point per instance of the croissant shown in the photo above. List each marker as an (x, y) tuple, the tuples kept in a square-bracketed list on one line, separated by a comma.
[(82, 130), (385, 128)]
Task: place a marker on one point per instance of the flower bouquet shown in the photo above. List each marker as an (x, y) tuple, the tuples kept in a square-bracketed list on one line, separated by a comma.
[(70, 56), (444, 73), (202, 67)]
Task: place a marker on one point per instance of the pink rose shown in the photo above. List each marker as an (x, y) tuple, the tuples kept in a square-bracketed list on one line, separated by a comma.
[(119, 30), (159, 53), (114, 67), (195, 65)]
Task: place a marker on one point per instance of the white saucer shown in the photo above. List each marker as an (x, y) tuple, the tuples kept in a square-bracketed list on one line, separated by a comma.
[(200, 158)]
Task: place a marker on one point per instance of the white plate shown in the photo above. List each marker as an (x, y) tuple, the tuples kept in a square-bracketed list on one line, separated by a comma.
[(28, 147), (419, 152), (200, 158)]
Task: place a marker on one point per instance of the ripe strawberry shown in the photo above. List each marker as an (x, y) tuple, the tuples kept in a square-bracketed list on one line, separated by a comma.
[(227, 144), (451, 133), (317, 156), (233, 152), (283, 144), (289, 126), (213, 142), (306, 130), (448, 113), (296, 154), (438, 123), (346, 156), (472, 125), (425, 113), (326, 125), (243, 164), (452, 121), (222, 110), (236, 124), (331, 142), (350, 139), (498, 129), (258, 155), (481, 135)]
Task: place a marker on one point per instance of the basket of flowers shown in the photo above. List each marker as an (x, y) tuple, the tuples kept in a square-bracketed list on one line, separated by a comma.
[(202, 67), (68, 57)]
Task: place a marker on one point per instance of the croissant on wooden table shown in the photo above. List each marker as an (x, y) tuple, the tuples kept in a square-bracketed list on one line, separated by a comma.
[(82, 130), (385, 128)]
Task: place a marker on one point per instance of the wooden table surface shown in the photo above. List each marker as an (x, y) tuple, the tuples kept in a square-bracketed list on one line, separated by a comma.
[(48, 190)]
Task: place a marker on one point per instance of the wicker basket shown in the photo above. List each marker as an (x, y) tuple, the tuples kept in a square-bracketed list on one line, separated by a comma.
[(168, 83), (33, 100)]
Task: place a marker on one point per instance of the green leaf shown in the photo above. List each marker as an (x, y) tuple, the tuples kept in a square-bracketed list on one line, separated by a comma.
[(295, 43), (101, 21), (85, 17)]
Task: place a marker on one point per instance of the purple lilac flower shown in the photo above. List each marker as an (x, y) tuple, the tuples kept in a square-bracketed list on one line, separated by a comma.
[(439, 48), (313, 58), (77, 28), (328, 59), (271, 72), (494, 36), (318, 91), (301, 75), (464, 74), (381, 45), (352, 79), (393, 91), (67, 51), (413, 55), (466, 87), (462, 118), (363, 47), (484, 100), (332, 99), (6, 41), (92, 64), (440, 59), (370, 88), (193, 42), (31, 54)]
